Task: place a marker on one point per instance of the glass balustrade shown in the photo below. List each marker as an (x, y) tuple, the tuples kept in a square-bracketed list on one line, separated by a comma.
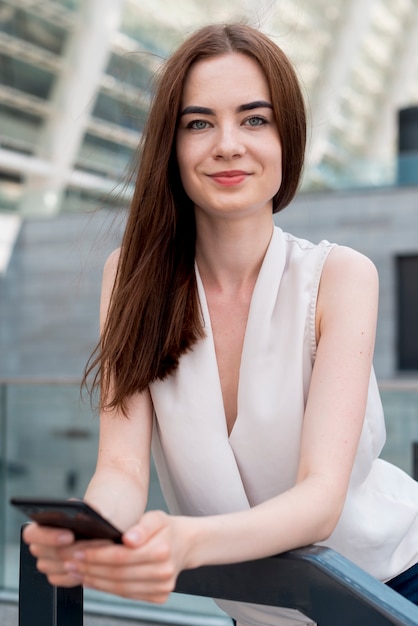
[(48, 444), (48, 447)]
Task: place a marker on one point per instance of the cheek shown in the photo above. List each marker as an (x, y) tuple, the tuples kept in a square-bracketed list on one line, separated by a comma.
[(185, 151), (189, 158), (276, 160), (276, 151)]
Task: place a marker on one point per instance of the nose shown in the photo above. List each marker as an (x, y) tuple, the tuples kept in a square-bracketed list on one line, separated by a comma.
[(228, 142)]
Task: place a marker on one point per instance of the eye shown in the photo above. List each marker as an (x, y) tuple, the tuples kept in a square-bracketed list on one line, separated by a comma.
[(198, 125), (255, 120)]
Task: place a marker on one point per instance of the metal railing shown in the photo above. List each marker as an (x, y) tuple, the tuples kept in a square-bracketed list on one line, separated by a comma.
[(317, 581)]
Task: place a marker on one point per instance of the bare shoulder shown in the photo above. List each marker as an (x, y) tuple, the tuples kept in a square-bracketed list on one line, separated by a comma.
[(109, 275), (349, 286), (346, 269), (111, 263)]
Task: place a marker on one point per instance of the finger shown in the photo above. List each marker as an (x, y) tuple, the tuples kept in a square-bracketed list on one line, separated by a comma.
[(65, 580), (151, 573), (52, 566), (39, 550), (81, 544), (156, 550), (58, 573), (134, 589), (58, 553), (150, 523), (34, 533), (109, 555)]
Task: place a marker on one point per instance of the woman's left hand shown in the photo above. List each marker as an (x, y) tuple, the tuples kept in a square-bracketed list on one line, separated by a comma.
[(145, 567)]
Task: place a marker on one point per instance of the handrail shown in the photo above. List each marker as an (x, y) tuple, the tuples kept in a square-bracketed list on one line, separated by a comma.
[(317, 581), (321, 583)]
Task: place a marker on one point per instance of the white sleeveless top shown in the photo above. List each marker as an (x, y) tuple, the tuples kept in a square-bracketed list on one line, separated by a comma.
[(203, 471)]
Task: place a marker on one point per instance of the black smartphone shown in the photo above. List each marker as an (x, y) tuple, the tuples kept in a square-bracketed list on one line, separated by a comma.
[(76, 515)]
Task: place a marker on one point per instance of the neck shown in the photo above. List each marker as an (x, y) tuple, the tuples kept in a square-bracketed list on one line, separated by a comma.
[(229, 253)]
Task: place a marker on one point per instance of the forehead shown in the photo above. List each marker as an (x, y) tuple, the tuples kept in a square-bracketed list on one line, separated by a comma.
[(233, 75)]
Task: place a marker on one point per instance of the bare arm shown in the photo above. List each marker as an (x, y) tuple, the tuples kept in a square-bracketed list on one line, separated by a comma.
[(119, 487)]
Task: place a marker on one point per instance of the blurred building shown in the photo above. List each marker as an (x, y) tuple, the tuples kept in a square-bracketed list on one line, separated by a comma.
[(75, 78)]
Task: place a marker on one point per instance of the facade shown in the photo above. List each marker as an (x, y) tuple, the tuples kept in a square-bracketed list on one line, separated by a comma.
[(75, 78)]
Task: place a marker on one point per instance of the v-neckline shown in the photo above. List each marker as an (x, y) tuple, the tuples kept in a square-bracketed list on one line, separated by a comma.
[(210, 337), (209, 330)]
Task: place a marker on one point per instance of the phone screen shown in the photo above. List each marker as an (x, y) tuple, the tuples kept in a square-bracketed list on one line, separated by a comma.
[(76, 515)]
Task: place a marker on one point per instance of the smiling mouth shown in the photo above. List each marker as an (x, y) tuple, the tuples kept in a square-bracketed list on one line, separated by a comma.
[(229, 177)]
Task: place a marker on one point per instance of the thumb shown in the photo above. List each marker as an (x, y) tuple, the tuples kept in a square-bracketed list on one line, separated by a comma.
[(149, 525)]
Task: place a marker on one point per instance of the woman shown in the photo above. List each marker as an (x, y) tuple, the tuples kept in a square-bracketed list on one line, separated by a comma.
[(242, 355)]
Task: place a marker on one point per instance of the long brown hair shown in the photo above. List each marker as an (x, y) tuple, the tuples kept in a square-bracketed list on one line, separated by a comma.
[(154, 314)]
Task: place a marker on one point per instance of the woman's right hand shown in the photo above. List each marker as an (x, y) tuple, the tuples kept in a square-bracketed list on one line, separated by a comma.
[(54, 550)]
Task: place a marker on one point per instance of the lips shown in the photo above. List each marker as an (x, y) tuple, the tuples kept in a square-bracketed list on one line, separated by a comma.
[(229, 177)]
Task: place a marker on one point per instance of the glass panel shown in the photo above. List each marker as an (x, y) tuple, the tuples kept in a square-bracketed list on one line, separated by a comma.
[(100, 156), (25, 77), (3, 466), (131, 69), (406, 274), (122, 113), (401, 415), (31, 29), (19, 130), (10, 193), (49, 449)]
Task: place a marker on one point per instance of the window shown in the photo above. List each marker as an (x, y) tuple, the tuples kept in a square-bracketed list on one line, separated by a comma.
[(407, 281)]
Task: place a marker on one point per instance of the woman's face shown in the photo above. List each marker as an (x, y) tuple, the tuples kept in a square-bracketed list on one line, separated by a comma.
[(228, 145)]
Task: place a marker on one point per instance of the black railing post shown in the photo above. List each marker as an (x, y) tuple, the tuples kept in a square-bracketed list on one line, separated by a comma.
[(415, 459), (41, 604)]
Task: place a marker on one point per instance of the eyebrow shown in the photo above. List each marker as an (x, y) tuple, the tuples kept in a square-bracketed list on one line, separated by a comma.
[(249, 106)]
